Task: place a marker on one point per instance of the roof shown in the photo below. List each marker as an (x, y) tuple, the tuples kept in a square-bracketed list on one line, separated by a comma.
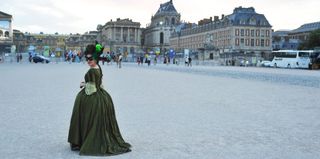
[(247, 16), (167, 7), (307, 27), (5, 15), (281, 33)]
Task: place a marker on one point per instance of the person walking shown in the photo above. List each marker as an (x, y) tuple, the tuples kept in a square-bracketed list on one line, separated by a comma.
[(186, 61), (120, 60), (190, 61), (93, 127)]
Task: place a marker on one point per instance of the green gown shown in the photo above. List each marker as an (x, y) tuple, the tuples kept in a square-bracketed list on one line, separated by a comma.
[(93, 126)]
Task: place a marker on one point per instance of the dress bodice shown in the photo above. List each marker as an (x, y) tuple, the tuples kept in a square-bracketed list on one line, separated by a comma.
[(93, 75)]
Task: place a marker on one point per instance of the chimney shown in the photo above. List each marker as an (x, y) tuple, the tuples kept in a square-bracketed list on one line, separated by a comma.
[(222, 16), (216, 18), (210, 19)]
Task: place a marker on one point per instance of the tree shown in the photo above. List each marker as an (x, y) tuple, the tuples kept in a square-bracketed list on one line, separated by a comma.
[(312, 42)]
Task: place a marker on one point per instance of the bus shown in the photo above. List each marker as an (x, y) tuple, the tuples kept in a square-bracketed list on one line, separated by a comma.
[(291, 58)]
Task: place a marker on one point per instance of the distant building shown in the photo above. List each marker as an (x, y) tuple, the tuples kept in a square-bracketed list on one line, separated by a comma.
[(19, 41), (88, 38), (163, 23), (6, 32), (73, 42), (121, 36), (40, 42), (292, 39), (282, 41), (242, 34)]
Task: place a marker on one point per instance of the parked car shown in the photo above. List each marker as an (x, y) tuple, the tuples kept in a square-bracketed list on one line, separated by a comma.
[(42, 59), (265, 63)]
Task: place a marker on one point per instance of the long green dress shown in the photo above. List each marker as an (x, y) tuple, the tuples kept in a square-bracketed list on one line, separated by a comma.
[(93, 128)]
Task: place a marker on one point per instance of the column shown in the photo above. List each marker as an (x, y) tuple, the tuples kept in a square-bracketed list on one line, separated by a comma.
[(136, 35), (112, 33), (11, 30), (121, 36), (128, 35)]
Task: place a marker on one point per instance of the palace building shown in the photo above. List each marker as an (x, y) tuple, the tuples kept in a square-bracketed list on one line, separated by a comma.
[(6, 32), (120, 36), (244, 33), (163, 23)]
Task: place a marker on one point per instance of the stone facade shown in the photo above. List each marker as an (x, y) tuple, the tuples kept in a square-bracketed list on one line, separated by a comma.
[(121, 36), (6, 32), (163, 23), (242, 33), (291, 40)]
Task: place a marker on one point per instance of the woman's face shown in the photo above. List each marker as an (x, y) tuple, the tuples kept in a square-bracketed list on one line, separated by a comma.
[(91, 62)]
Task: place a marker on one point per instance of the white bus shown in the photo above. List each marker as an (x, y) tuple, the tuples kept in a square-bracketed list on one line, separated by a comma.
[(291, 58)]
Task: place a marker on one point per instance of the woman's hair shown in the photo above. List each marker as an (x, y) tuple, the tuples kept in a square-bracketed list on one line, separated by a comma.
[(91, 50)]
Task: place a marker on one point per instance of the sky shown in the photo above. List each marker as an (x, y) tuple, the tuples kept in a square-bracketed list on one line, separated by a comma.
[(80, 16)]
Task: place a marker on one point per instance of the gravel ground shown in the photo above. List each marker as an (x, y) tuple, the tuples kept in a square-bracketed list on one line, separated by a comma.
[(167, 111)]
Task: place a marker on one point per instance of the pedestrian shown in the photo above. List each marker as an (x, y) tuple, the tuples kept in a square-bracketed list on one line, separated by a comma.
[(18, 58), (155, 61), (93, 128), (186, 61), (120, 60), (53, 56), (138, 61), (149, 60), (189, 61), (141, 59)]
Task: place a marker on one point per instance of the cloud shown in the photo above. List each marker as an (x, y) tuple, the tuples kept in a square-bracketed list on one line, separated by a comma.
[(79, 16)]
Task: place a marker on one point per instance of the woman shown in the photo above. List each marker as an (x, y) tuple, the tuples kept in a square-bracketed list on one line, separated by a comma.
[(93, 128)]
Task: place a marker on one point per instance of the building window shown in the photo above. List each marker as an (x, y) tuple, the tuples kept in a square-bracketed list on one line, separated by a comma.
[(267, 33), (258, 33), (257, 42), (173, 21), (247, 42), (267, 42), (242, 32), (242, 41), (237, 41), (247, 32), (262, 42), (6, 34), (262, 33), (161, 38), (252, 33), (252, 42)]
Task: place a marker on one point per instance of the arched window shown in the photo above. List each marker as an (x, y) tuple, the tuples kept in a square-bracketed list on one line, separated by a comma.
[(161, 38), (6, 34), (173, 21)]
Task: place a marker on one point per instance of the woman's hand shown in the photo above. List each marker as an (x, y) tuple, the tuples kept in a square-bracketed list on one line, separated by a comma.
[(82, 84)]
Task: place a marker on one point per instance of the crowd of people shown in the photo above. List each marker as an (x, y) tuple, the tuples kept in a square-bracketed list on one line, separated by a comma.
[(166, 60)]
